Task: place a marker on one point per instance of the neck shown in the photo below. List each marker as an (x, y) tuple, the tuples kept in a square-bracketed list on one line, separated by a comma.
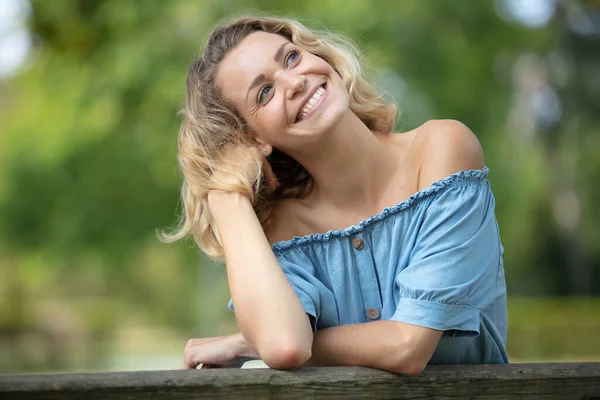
[(350, 165)]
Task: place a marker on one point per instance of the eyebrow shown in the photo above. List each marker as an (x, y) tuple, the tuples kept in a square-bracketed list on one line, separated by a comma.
[(261, 77), (279, 52)]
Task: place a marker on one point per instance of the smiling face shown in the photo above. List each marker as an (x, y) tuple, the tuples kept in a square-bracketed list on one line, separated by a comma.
[(280, 90)]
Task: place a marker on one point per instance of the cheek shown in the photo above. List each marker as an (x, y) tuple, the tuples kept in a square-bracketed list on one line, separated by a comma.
[(274, 114), (268, 120)]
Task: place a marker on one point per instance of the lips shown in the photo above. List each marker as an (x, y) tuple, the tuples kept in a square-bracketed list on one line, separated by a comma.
[(311, 100)]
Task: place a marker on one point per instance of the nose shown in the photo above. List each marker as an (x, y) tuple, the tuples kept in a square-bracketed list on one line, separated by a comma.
[(292, 82)]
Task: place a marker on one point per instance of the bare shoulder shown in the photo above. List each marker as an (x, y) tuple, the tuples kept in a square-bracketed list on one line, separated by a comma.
[(446, 147)]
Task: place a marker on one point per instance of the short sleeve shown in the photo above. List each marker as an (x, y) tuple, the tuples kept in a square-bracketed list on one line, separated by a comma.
[(452, 268), (310, 291)]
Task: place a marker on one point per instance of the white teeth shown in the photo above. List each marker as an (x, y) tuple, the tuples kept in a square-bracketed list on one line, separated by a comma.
[(312, 101)]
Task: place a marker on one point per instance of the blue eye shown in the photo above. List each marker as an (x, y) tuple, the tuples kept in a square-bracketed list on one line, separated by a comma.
[(264, 93), (292, 57)]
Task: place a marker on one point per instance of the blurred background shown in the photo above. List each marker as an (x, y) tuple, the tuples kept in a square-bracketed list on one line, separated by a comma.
[(89, 92)]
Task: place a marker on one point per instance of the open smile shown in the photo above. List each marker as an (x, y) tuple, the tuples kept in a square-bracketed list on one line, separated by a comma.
[(313, 101)]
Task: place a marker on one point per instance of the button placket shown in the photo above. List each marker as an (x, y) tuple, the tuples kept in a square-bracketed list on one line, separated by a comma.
[(366, 271)]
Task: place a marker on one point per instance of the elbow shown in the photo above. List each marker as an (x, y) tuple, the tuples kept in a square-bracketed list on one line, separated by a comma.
[(286, 356), (410, 368), (411, 360)]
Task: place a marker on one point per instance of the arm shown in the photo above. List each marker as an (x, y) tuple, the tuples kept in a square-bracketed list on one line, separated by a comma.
[(267, 309), (388, 345), (402, 348)]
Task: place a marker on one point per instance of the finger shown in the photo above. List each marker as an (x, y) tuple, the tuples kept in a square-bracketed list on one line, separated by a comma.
[(198, 341), (186, 365), (190, 360)]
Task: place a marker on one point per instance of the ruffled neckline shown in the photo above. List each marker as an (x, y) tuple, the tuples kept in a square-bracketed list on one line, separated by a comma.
[(436, 187)]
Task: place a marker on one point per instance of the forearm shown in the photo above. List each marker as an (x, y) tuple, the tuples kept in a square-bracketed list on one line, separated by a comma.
[(386, 345), (266, 306)]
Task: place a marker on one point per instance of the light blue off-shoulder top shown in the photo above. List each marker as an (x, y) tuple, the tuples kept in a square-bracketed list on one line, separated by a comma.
[(434, 260)]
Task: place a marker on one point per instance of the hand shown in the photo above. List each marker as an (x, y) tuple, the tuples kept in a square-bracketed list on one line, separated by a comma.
[(218, 352), (240, 162)]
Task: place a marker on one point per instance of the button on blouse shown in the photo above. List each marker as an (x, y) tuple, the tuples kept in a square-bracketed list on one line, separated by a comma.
[(358, 244), (372, 313)]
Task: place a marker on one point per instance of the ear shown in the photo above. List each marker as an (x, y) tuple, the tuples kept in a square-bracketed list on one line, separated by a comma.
[(265, 149), (263, 146)]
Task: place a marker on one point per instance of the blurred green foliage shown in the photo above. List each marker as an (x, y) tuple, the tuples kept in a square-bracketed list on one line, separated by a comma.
[(88, 162), (553, 329)]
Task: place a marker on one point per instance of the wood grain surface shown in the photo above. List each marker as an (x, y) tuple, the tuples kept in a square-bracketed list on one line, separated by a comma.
[(512, 381)]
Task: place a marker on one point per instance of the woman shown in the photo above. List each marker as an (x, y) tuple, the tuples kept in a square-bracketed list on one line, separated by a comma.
[(344, 244)]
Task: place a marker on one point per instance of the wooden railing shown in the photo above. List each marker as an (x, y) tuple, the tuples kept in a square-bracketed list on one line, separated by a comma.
[(513, 381)]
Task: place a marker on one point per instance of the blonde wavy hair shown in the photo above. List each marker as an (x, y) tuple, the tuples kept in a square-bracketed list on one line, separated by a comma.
[(210, 124)]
